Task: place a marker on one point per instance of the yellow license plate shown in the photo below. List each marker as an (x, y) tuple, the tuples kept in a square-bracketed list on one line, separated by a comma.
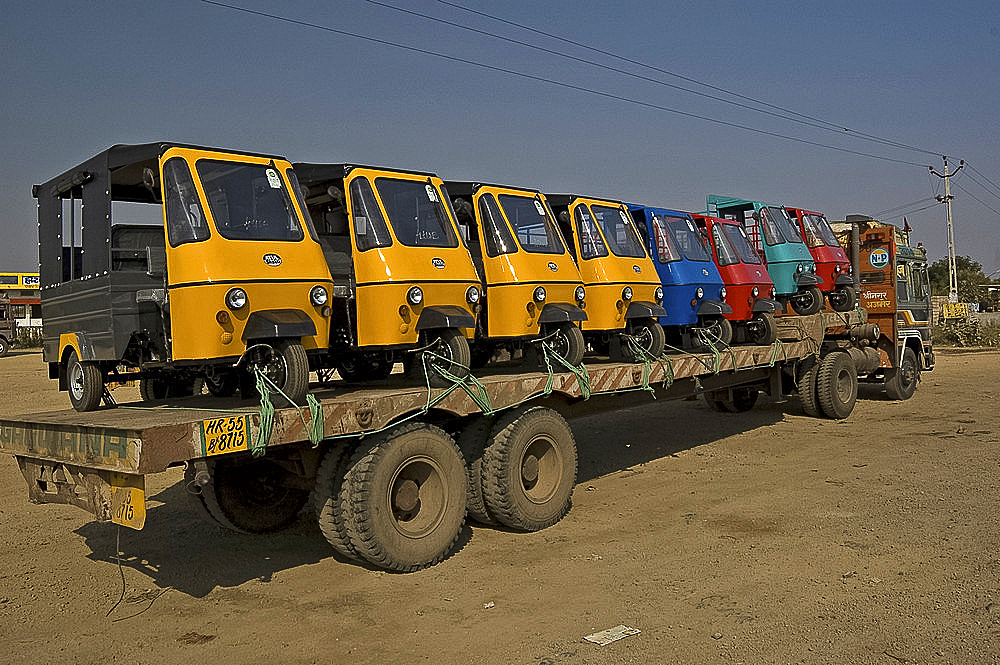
[(128, 500), (228, 434)]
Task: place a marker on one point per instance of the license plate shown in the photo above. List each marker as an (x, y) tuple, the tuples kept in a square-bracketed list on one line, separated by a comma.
[(128, 500), (228, 434)]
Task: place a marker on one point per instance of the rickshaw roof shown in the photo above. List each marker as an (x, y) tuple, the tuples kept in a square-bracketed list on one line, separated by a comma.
[(468, 187), (655, 210), (567, 199), (308, 172)]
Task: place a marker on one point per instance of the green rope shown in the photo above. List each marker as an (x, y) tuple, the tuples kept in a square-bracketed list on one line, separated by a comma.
[(314, 430), (480, 395), (648, 359), (582, 376), (778, 344)]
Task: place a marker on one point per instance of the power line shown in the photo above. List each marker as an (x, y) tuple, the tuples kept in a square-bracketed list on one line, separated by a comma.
[(562, 84), (985, 205), (905, 205), (826, 124), (980, 174)]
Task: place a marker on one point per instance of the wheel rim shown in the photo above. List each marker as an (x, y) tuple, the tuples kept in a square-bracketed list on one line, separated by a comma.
[(844, 386), (76, 381), (644, 338), (417, 497), (908, 374), (539, 469), (560, 343), (272, 364), (804, 299)]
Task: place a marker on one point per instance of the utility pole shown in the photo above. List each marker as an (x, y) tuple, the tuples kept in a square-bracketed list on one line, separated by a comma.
[(946, 199)]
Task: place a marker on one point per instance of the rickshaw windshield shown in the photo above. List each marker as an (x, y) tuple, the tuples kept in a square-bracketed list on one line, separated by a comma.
[(784, 223), (666, 248), (814, 237), (618, 231), (738, 235), (416, 213), (725, 253), (185, 217), (297, 191), (688, 239), (249, 201), (532, 223), (769, 226), (825, 230), (591, 243)]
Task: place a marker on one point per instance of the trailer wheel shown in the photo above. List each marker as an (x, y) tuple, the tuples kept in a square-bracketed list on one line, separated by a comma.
[(568, 343), (717, 330), (805, 385), (4, 346), (529, 469), (251, 495), (649, 335), (902, 383), (86, 383), (328, 499), (406, 490), (472, 442), (843, 299), (807, 301), (837, 385), (451, 345), (762, 330)]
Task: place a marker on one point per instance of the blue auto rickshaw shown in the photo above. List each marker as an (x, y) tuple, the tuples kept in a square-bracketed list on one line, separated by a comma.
[(693, 291)]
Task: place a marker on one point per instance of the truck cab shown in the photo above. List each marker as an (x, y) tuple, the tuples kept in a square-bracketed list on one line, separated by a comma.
[(8, 328), (832, 265)]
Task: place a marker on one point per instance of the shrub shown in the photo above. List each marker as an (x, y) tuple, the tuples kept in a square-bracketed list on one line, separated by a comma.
[(967, 333), (28, 338)]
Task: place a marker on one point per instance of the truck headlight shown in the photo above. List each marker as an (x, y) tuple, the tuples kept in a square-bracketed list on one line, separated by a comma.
[(755, 292), (658, 293), (722, 293)]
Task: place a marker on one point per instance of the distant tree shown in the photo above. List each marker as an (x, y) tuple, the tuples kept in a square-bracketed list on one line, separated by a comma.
[(970, 277)]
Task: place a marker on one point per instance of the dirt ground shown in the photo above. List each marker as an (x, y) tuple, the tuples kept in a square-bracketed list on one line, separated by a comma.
[(763, 537)]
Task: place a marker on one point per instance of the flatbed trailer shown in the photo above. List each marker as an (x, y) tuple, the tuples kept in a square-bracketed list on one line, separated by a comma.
[(392, 470)]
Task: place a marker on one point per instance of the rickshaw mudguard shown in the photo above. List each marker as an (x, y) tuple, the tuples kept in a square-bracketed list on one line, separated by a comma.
[(843, 279), (555, 312), (444, 316), (713, 308), (644, 310), (766, 306), (808, 279), (278, 323)]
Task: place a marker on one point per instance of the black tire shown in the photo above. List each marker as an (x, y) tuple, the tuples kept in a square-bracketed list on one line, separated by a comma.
[(251, 495), (85, 381), (223, 383), (406, 490), (4, 347), (480, 355), (568, 343), (152, 389), (358, 367), (843, 299), (649, 335), (287, 367), (837, 385), (451, 345), (744, 398), (807, 301), (901, 383), (717, 330), (529, 469), (472, 442), (762, 330), (164, 386), (805, 385), (329, 500)]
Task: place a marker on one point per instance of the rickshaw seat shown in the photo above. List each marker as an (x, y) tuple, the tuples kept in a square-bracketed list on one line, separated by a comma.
[(337, 251), (132, 246)]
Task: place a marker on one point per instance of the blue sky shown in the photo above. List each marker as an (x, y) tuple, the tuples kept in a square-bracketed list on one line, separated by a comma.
[(79, 77)]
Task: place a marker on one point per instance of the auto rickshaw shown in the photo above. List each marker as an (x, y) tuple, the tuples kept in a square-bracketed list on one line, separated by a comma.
[(776, 238), (229, 278), (693, 292), (832, 265), (404, 280), (624, 294), (532, 288), (750, 289)]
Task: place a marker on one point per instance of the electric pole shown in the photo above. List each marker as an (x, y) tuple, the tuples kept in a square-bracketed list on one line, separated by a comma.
[(946, 199)]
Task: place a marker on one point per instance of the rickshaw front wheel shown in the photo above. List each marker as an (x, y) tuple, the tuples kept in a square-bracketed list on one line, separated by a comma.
[(568, 343), (454, 357), (287, 367), (86, 383)]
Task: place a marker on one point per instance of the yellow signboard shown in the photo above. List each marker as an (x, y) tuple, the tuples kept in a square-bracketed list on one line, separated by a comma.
[(228, 434), (955, 310)]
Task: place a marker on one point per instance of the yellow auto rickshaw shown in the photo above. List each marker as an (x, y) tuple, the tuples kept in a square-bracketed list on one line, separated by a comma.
[(532, 288), (624, 293), (404, 281), (225, 275)]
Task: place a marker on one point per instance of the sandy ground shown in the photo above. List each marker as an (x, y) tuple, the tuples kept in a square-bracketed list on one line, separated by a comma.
[(763, 537)]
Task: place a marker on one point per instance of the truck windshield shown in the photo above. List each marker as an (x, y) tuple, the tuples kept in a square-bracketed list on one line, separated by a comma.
[(616, 226), (532, 223), (416, 212), (688, 239), (738, 235), (782, 223), (249, 201), (820, 230)]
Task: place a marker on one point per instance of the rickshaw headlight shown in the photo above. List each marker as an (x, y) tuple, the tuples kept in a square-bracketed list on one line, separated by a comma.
[(627, 293), (755, 292), (415, 295), (798, 269), (699, 293), (722, 293), (658, 293), (580, 293), (837, 269), (472, 295), (236, 298), (539, 294), (774, 292), (318, 295)]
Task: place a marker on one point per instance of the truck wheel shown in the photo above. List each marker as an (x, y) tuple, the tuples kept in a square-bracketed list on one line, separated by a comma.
[(837, 385), (649, 335), (843, 299), (805, 385), (451, 345), (529, 469), (251, 495), (406, 490), (761, 329), (902, 383), (807, 301), (328, 499), (4, 347), (568, 343), (717, 330), (86, 383), (472, 442)]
